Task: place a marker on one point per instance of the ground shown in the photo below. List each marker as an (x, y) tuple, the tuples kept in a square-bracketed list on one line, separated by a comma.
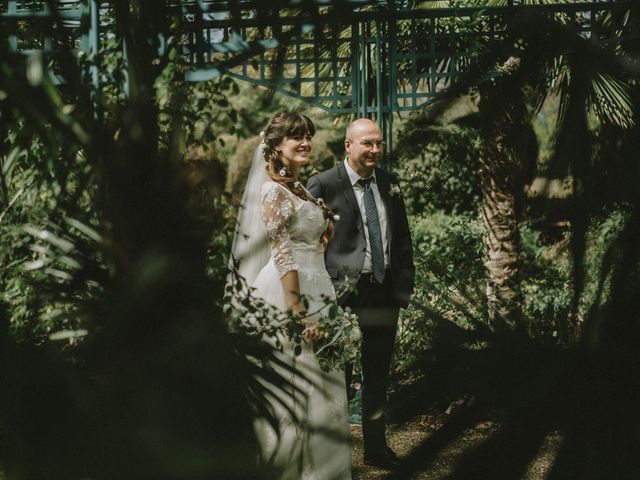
[(404, 438)]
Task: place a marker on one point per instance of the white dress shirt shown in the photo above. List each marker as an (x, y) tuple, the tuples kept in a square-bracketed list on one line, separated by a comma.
[(358, 190)]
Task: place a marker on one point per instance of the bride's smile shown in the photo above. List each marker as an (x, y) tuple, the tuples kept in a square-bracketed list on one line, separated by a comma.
[(295, 151)]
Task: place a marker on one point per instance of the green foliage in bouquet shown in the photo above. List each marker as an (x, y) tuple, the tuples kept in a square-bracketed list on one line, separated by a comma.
[(259, 325), (341, 342)]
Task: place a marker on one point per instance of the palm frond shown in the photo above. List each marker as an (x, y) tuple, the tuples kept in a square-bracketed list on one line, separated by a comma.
[(611, 100), (433, 4)]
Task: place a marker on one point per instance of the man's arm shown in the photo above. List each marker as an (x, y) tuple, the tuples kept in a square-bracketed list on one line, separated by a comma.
[(405, 246), (404, 233)]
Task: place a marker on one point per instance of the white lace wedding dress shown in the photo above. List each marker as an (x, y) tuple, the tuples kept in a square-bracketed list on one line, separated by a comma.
[(317, 447)]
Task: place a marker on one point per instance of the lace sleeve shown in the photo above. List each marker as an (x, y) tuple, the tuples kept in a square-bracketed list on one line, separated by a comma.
[(277, 207)]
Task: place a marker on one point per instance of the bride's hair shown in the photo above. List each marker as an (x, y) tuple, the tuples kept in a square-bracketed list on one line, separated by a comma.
[(283, 124)]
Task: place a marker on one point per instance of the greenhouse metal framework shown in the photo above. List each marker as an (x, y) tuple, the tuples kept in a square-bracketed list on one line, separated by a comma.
[(383, 59)]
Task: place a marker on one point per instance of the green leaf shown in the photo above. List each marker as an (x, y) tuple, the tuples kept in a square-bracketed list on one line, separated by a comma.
[(33, 265), (35, 69), (70, 262), (83, 228), (67, 334), (45, 235), (58, 273), (9, 162)]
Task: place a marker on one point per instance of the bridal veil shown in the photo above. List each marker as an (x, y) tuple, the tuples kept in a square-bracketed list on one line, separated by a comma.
[(250, 250)]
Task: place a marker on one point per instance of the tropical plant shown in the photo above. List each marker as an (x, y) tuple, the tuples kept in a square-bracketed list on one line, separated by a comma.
[(513, 75), (530, 388)]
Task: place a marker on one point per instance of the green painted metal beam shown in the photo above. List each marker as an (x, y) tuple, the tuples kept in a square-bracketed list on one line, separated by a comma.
[(382, 60)]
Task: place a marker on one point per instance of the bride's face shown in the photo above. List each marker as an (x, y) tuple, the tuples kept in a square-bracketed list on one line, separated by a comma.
[(295, 151)]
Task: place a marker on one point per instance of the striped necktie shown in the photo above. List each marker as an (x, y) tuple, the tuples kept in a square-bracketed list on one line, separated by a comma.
[(373, 226)]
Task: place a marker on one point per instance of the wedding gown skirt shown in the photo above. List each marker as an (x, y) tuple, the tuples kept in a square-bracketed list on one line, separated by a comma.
[(317, 447)]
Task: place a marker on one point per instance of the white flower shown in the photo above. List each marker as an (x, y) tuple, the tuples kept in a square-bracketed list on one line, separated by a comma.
[(394, 190)]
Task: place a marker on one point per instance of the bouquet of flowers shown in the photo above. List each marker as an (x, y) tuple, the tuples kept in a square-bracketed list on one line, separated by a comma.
[(341, 340)]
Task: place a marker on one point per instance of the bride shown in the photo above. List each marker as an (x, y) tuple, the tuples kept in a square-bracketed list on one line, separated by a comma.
[(279, 245)]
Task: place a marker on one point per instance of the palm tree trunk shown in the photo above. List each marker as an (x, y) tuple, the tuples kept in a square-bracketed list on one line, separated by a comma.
[(502, 236), (505, 154)]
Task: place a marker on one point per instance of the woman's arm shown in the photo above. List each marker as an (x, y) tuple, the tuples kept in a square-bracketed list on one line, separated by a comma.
[(291, 286), (277, 207)]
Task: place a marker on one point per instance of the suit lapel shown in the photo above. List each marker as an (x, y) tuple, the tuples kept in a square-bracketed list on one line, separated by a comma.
[(347, 189), (383, 188)]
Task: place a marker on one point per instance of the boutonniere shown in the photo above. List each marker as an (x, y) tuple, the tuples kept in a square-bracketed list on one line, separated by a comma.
[(394, 190)]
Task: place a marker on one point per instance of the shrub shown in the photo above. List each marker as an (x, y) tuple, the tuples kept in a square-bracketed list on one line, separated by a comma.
[(439, 168), (449, 303), (448, 296)]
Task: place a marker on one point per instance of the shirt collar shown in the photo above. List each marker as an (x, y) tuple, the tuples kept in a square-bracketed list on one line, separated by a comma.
[(353, 176)]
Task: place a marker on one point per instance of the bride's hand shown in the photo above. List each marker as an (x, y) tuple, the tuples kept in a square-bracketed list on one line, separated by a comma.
[(311, 331), (324, 241)]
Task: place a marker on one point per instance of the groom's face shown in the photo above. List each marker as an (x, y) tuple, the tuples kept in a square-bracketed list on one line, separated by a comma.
[(364, 146)]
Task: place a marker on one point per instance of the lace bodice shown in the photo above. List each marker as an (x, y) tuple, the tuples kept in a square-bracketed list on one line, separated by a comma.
[(294, 227)]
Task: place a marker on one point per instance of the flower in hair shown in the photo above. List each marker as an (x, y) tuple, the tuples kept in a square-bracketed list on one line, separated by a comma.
[(283, 172)]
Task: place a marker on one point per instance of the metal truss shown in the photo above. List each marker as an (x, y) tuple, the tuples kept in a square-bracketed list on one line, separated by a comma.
[(383, 58)]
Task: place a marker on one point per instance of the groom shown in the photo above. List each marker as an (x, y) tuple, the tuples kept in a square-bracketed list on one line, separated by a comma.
[(372, 251)]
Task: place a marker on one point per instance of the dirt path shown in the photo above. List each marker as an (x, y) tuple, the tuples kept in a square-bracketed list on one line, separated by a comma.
[(404, 438)]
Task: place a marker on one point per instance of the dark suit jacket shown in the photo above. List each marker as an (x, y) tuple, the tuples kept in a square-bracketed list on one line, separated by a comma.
[(345, 253)]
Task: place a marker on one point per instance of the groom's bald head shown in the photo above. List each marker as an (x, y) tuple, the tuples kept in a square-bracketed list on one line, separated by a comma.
[(363, 143), (359, 125)]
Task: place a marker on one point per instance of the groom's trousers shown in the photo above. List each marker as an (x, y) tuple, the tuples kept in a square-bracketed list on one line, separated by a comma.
[(377, 313)]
